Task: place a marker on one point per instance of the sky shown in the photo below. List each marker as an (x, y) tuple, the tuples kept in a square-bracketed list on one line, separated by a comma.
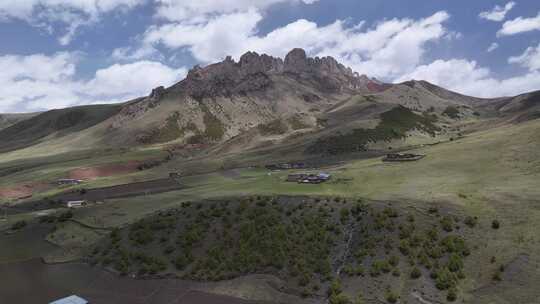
[(60, 53)]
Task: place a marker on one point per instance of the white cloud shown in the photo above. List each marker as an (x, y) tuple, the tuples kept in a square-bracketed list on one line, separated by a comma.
[(196, 11), (520, 25), (390, 48), (493, 47), (133, 79), (467, 77), (71, 14), (529, 59), (498, 13), (208, 41), (37, 82), (129, 54)]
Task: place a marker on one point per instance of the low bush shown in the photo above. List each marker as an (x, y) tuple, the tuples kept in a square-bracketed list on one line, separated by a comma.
[(18, 225)]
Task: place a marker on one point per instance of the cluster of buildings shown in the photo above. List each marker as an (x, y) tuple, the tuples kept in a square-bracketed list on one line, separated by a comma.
[(286, 166), (309, 178)]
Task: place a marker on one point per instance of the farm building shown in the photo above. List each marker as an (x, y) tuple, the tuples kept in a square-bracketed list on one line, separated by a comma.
[(76, 204), (296, 177), (402, 157), (70, 300), (68, 181), (305, 178), (286, 166)]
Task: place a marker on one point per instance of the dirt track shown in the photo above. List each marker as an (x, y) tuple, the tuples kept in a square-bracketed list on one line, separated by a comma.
[(126, 190), (101, 194)]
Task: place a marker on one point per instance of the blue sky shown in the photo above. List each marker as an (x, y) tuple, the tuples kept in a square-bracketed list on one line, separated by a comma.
[(58, 53)]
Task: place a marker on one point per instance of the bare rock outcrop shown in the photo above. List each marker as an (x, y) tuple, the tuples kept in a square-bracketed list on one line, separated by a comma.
[(254, 73)]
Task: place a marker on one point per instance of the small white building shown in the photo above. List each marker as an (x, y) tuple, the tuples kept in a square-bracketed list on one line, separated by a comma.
[(70, 300), (76, 204), (68, 181)]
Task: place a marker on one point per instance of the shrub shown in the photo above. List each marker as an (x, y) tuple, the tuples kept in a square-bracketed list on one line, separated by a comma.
[(339, 299), (416, 273), (404, 247), (344, 215), (335, 288), (497, 276), (393, 260), (455, 263), (65, 216), (169, 249), (391, 297), (379, 266), (445, 279), (452, 295), (495, 224), (447, 223), (18, 225), (275, 127), (359, 299), (471, 221)]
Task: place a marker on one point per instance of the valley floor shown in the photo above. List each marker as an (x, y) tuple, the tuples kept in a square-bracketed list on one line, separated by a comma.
[(492, 174)]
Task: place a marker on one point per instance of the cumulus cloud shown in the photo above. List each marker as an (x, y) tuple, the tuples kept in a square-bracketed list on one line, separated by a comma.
[(72, 14), (493, 47), (133, 79), (38, 82), (390, 48), (467, 77), (498, 13), (529, 59), (520, 25)]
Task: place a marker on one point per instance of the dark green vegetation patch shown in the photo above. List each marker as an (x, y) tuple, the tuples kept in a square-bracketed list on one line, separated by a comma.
[(215, 129), (394, 124), (307, 242), (451, 112), (274, 127)]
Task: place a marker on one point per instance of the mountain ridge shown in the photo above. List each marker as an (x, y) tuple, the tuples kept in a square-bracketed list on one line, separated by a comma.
[(295, 95)]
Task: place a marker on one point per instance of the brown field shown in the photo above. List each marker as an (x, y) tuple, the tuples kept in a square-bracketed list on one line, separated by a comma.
[(104, 170), (22, 191)]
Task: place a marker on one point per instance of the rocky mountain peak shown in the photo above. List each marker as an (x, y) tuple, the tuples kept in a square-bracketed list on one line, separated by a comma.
[(296, 61), (254, 72), (252, 63)]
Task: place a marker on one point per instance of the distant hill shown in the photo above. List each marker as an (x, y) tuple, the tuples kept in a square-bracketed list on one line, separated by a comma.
[(7, 120), (55, 123)]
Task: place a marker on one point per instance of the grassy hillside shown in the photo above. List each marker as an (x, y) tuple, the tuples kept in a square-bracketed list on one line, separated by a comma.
[(394, 124), (7, 120), (491, 175), (58, 122)]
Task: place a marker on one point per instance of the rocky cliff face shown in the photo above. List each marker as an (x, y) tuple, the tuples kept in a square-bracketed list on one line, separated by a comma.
[(254, 72), (232, 97)]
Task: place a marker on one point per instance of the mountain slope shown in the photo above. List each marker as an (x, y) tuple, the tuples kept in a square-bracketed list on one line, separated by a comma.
[(263, 100), (8, 119), (56, 123)]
